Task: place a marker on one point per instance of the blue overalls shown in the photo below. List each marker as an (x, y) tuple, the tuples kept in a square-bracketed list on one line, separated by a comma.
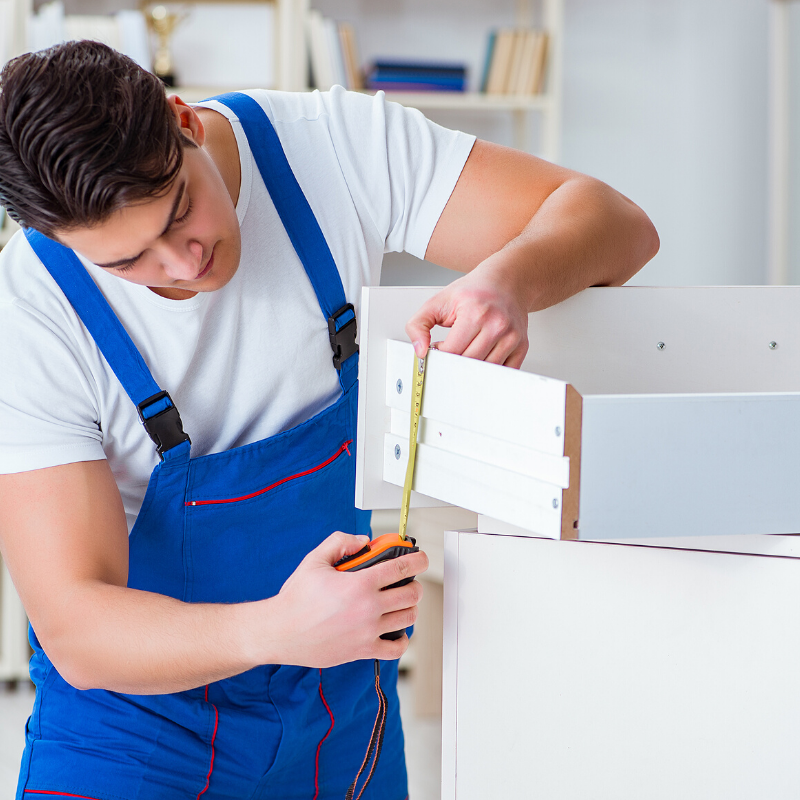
[(228, 527)]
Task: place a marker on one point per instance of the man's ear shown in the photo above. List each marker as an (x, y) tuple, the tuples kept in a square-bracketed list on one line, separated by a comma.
[(187, 120)]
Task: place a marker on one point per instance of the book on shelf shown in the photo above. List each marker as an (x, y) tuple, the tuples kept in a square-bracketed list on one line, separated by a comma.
[(516, 62), (333, 56), (347, 36), (417, 76), (488, 60)]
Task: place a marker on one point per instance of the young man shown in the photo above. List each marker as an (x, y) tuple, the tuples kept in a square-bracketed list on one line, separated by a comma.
[(191, 636)]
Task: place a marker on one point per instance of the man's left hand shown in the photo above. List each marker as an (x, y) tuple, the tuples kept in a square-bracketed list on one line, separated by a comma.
[(487, 320)]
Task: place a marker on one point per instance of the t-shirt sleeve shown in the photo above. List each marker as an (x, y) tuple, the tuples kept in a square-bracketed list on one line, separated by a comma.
[(401, 166), (48, 416)]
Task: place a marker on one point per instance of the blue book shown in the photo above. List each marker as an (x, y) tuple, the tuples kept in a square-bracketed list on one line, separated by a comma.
[(421, 67), (487, 64)]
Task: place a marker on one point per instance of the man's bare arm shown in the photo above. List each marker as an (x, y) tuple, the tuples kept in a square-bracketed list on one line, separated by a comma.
[(531, 234), (64, 539)]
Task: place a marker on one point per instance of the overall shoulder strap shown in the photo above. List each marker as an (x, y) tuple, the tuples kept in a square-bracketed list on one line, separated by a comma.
[(303, 229), (156, 409)]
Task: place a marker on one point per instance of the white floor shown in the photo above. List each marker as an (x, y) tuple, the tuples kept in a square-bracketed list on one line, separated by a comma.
[(423, 743)]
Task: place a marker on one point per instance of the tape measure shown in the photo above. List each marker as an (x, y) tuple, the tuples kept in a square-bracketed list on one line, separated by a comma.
[(417, 385), (385, 548)]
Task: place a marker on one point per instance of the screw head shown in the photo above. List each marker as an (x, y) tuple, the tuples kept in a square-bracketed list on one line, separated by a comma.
[(661, 345), (773, 345), (558, 431), (555, 502), (399, 386), (397, 451)]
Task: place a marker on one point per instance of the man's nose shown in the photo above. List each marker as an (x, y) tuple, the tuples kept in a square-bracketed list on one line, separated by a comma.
[(184, 262)]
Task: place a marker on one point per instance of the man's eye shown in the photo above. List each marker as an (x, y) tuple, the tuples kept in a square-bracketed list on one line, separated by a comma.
[(186, 215)]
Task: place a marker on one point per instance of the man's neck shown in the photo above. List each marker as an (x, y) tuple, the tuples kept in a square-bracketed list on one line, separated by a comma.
[(221, 145)]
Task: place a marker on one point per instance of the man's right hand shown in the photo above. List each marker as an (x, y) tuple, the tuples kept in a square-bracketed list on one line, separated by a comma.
[(334, 617)]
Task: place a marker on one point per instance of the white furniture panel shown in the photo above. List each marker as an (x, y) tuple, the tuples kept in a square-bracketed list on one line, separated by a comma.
[(684, 465), (577, 670), (716, 339), (499, 400), (685, 421)]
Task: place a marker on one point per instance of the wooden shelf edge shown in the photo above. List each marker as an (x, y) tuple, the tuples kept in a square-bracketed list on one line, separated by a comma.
[(470, 101)]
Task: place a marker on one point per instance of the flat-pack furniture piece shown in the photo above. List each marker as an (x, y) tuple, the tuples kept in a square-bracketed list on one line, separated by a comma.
[(639, 412), (657, 656)]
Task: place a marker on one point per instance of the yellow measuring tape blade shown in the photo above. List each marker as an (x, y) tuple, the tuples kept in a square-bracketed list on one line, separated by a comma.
[(418, 381)]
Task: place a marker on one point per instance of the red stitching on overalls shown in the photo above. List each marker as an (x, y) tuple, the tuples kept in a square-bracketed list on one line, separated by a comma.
[(213, 737), (344, 448), (319, 746), (59, 794)]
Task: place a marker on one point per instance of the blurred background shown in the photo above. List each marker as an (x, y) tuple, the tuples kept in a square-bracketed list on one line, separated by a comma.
[(689, 107), (686, 106)]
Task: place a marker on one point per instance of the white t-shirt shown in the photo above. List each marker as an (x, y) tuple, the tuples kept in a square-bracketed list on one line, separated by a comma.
[(252, 359)]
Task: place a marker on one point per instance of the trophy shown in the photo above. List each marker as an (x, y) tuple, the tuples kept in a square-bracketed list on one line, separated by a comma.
[(162, 22)]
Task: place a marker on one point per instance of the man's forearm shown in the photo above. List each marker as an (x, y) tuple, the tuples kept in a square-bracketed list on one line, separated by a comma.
[(584, 234), (137, 642)]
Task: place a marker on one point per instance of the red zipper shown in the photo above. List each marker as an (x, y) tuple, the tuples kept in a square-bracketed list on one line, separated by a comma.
[(344, 448)]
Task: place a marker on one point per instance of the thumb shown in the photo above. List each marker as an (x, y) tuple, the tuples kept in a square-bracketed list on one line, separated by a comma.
[(419, 327), (336, 546)]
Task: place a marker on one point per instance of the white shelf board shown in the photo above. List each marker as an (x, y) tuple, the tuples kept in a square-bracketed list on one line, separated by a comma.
[(463, 101), (471, 101)]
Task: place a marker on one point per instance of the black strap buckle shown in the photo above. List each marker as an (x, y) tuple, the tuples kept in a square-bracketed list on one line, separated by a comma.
[(165, 428), (343, 341)]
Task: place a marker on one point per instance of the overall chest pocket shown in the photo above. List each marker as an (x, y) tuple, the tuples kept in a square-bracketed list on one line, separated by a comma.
[(243, 547)]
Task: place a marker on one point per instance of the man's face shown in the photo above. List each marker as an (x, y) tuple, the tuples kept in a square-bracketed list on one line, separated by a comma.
[(183, 242)]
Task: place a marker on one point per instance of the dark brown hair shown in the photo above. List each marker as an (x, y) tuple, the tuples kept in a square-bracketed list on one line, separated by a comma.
[(84, 131)]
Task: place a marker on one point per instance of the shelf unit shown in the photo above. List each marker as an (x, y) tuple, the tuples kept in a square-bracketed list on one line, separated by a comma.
[(528, 113), (291, 69)]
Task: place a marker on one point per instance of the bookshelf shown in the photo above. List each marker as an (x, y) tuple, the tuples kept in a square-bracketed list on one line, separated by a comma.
[(415, 30), (445, 30), (292, 57)]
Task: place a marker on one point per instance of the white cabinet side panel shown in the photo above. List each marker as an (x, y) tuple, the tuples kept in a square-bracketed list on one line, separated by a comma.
[(689, 465), (716, 339), (621, 673)]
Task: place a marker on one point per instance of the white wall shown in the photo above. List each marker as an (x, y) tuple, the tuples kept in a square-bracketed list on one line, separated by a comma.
[(667, 101)]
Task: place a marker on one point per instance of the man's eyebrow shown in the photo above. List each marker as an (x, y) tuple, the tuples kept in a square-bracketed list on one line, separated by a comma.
[(172, 214)]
